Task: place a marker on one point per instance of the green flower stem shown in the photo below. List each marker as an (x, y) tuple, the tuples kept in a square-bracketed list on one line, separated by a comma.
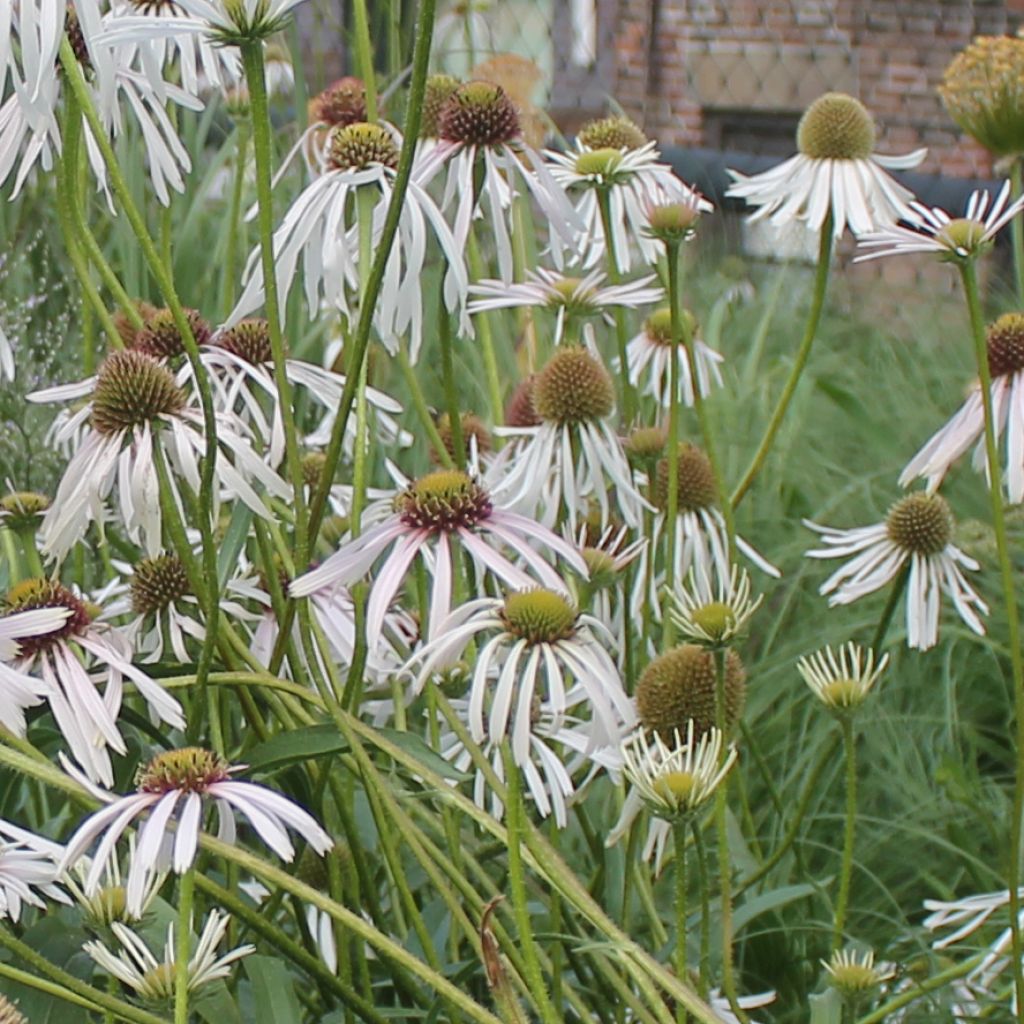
[(361, 337), (67, 188), (724, 858), (419, 404), (15, 572), (1017, 228), (813, 319), (895, 593), (704, 879), (679, 830), (810, 788), (672, 445), (27, 543), (516, 825), (968, 272), (920, 989), (629, 397), (544, 858), (364, 57), (451, 392), (385, 946), (846, 868), (66, 986), (186, 892), (477, 272), (236, 226), (255, 77), (76, 82)]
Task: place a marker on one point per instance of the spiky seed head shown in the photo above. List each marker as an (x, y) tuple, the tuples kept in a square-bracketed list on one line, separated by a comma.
[(695, 484), (158, 582), (539, 616), (354, 147), (836, 127), (35, 593), (188, 770), (439, 89), (313, 464), (854, 974), (446, 499), (680, 685), (1005, 343), (614, 132), (672, 223), (479, 114), (472, 427), (644, 446), (249, 340), (573, 387), (76, 37), (920, 523), (658, 326), (983, 90), (520, 411), (125, 325), (161, 339), (343, 102), (22, 510), (598, 163), (133, 388), (963, 237)]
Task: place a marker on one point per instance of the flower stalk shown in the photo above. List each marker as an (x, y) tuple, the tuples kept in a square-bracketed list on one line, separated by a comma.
[(849, 826), (679, 830), (802, 355), (186, 893), (969, 276)]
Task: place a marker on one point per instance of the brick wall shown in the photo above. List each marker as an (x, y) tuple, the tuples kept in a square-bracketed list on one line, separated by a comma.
[(681, 67)]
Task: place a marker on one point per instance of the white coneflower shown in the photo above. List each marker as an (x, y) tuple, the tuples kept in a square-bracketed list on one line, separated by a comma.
[(133, 397), (65, 667), (917, 535), (675, 693), (432, 517), (608, 555), (854, 974), (714, 614), (480, 139), (965, 917), (534, 645), (560, 747), (28, 871), (573, 299), (29, 117), (842, 682), (632, 175), (342, 103), (322, 227), (674, 780), (108, 903), (835, 171), (159, 596), (650, 353), (135, 966), (222, 22), (240, 363), (1005, 347), (701, 537), (574, 455), (949, 238), (200, 62), (174, 791)]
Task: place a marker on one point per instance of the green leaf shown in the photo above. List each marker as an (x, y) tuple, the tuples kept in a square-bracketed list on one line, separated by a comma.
[(826, 1008), (215, 1005), (273, 992), (766, 901), (287, 748), (234, 540), (418, 747)]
